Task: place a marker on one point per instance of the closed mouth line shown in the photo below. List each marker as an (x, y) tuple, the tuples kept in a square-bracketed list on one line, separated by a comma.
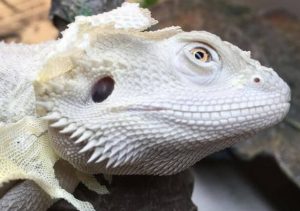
[(154, 108)]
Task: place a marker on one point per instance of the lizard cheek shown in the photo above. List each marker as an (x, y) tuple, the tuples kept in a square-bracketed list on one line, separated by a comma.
[(102, 89)]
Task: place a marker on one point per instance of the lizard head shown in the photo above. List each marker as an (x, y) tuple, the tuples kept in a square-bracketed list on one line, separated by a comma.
[(122, 101)]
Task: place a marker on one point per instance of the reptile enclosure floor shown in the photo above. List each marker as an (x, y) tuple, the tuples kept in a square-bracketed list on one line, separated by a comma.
[(26, 21)]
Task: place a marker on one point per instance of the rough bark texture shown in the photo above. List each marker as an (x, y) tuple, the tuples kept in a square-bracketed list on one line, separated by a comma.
[(140, 193)]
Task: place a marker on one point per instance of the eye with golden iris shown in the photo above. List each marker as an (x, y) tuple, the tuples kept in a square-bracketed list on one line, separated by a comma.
[(201, 54)]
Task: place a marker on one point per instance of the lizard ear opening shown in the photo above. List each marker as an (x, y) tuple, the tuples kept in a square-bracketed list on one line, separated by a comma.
[(102, 89)]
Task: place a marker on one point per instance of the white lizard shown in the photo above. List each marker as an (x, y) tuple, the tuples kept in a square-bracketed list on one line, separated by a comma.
[(110, 97)]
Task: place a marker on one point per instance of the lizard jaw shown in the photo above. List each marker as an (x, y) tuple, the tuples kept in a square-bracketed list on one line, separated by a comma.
[(92, 140)]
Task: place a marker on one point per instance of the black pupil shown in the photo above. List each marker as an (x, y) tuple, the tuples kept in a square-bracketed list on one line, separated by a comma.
[(102, 89), (199, 55)]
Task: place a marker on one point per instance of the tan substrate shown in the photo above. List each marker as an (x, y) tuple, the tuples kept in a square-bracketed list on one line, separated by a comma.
[(26, 21)]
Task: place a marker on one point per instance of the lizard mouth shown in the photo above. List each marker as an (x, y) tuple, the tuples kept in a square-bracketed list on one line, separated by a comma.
[(277, 102), (210, 109), (270, 113)]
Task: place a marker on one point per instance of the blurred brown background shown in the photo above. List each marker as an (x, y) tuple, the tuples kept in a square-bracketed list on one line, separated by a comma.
[(27, 20)]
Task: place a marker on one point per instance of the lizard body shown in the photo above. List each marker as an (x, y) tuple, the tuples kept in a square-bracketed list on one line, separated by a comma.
[(110, 97)]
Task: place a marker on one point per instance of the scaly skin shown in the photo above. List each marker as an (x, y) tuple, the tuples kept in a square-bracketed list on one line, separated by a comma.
[(27, 195), (164, 99)]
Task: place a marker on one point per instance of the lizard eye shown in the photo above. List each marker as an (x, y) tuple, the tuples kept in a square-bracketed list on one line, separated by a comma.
[(201, 54), (198, 62), (102, 89)]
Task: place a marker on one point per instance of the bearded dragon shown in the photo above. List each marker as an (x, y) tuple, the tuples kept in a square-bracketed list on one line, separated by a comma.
[(110, 97)]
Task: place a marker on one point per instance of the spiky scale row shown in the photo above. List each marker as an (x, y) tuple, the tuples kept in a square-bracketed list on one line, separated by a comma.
[(86, 135), (90, 144), (60, 123), (69, 129), (97, 152), (102, 158), (77, 132), (115, 153)]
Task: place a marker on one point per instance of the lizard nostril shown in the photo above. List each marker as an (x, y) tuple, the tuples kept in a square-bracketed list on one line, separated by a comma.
[(102, 89), (257, 80)]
